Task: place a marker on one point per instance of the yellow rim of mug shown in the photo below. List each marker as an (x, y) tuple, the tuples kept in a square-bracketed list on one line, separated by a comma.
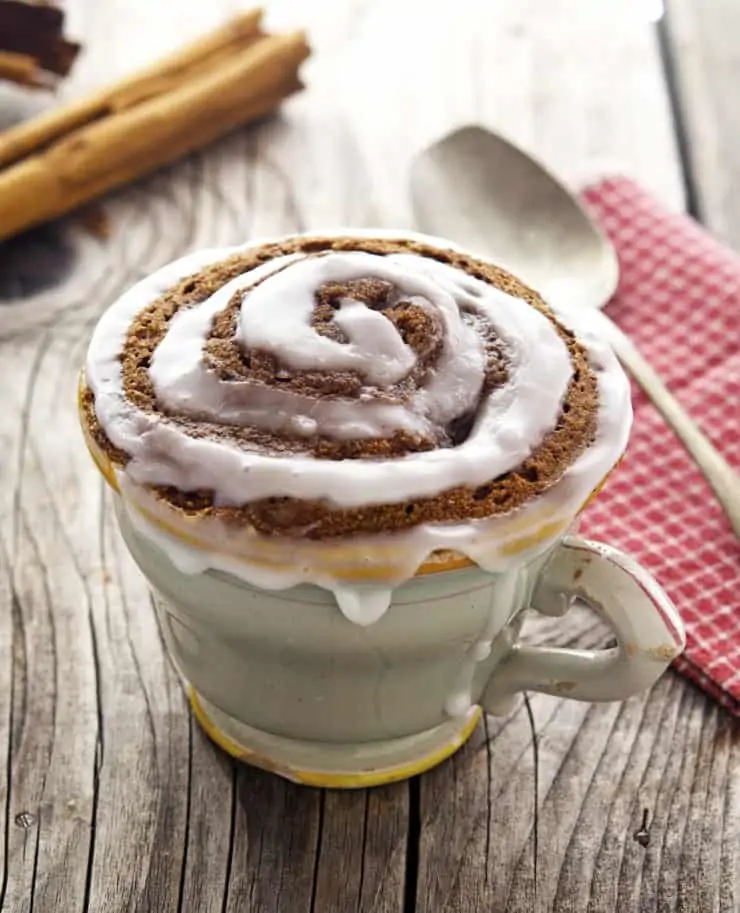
[(324, 779)]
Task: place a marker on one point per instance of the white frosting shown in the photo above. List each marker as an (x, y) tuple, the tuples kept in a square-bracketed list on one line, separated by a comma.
[(275, 316), (509, 426)]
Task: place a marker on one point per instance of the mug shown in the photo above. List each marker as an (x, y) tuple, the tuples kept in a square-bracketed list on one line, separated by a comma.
[(282, 680)]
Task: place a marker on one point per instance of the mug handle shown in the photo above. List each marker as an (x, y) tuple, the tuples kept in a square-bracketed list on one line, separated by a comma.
[(645, 622)]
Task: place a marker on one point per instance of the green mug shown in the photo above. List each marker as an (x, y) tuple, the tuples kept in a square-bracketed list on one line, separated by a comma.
[(375, 654), (283, 680)]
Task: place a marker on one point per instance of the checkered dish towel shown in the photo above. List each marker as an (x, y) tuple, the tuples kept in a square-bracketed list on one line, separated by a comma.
[(679, 300)]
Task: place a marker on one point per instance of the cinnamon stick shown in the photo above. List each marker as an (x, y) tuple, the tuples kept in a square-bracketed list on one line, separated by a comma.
[(158, 78), (130, 143), (23, 70)]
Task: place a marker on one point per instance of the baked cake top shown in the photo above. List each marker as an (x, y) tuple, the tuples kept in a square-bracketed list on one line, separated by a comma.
[(322, 386)]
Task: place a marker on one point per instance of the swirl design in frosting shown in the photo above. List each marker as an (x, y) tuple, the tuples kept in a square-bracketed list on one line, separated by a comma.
[(320, 387)]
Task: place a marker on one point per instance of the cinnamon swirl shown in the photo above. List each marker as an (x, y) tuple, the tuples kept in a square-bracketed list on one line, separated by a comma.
[(385, 392)]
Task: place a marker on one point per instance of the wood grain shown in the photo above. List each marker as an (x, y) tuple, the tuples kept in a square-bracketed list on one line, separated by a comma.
[(111, 798), (703, 53)]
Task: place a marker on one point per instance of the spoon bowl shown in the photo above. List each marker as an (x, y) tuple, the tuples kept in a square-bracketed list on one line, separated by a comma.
[(530, 223)]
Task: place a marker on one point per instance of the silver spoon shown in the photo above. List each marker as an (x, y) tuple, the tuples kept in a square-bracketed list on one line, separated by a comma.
[(479, 190)]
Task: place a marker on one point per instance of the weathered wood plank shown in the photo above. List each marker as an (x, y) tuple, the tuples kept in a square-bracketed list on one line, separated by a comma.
[(702, 45), (132, 808), (208, 840), (275, 836), (362, 851), (600, 768), (53, 732), (7, 677)]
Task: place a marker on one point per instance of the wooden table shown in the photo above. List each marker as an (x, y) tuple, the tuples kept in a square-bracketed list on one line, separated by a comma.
[(111, 798)]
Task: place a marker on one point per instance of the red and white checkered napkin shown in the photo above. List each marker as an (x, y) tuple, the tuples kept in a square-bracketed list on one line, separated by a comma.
[(679, 300)]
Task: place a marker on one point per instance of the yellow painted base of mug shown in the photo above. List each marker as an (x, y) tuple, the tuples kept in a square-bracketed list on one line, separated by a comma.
[(334, 766)]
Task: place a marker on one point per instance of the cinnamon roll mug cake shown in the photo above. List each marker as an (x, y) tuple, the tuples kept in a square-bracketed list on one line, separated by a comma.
[(346, 463)]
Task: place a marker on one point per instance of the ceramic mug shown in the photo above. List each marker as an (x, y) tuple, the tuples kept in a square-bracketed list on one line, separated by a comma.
[(282, 680)]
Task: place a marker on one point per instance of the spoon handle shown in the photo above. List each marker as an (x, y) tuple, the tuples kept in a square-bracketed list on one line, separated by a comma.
[(716, 470)]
